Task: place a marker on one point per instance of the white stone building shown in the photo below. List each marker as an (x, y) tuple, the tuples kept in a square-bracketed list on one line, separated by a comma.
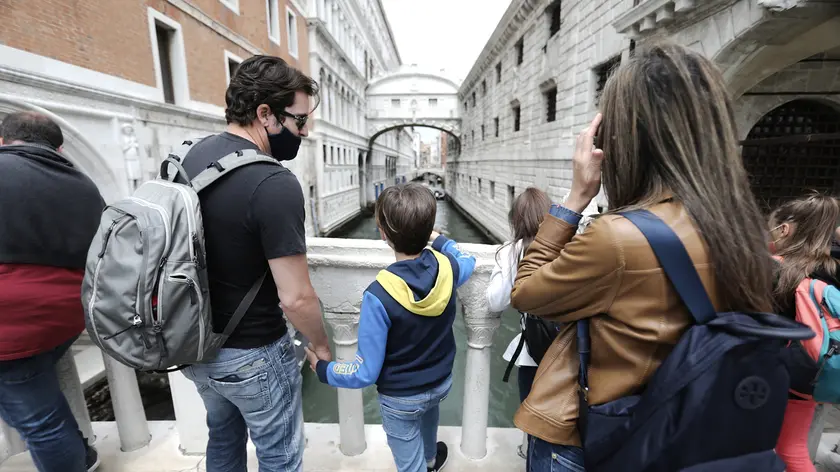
[(351, 44), (537, 81)]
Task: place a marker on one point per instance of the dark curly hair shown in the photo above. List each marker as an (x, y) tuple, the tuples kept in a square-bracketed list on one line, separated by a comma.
[(264, 80)]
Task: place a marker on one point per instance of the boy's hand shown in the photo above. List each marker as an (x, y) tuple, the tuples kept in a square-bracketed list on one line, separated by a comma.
[(311, 357), (323, 353), (433, 236)]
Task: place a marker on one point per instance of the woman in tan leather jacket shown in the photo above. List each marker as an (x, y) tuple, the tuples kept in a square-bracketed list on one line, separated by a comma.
[(666, 142)]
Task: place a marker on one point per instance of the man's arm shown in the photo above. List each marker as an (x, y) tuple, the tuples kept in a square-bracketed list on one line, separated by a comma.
[(373, 337), (298, 299), (277, 214), (466, 262)]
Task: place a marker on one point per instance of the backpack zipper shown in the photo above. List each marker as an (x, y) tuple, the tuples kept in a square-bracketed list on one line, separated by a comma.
[(100, 256), (137, 323), (157, 321), (164, 215), (191, 224), (195, 298)]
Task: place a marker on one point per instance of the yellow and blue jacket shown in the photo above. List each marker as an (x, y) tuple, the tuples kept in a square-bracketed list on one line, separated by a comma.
[(406, 343)]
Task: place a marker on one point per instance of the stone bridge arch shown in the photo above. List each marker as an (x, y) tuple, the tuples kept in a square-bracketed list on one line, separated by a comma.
[(412, 97), (451, 128)]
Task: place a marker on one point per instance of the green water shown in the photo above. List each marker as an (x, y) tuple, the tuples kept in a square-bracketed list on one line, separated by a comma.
[(320, 403)]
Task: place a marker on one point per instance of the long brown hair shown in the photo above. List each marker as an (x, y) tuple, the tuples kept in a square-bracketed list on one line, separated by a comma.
[(669, 130), (806, 250), (525, 216)]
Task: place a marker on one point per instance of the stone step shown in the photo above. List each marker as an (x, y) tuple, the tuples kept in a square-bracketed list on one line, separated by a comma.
[(321, 454)]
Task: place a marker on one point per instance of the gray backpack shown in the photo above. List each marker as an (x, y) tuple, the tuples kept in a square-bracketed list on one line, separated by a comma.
[(145, 292)]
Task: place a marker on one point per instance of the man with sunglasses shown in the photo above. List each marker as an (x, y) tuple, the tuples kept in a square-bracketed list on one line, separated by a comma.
[(253, 223)]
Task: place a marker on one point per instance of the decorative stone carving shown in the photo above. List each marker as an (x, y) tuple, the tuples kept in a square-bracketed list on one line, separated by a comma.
[(345, 327), (131, 153), (481, 324), (778, 5)]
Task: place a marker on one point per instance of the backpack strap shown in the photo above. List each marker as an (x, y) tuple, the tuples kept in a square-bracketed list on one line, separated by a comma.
[(176, 158), (515, 356), (227, 164), (679, 269), (676, 263), (244, 305)]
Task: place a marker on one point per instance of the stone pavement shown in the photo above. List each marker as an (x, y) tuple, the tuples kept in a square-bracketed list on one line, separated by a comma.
[(321, 453)]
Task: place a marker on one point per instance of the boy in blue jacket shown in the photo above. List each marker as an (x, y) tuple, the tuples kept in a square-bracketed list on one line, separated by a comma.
[(406, 343)]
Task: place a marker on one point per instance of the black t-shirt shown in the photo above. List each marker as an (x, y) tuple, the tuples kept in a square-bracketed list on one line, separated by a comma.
[(250, 216)]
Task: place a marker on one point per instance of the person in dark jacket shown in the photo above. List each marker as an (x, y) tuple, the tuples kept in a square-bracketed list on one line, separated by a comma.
[(49, 213)]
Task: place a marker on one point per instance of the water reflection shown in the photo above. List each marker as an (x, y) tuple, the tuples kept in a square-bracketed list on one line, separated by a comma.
[(320, 403)]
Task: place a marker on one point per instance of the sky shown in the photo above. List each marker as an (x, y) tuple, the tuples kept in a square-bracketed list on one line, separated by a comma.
[(443, 34)]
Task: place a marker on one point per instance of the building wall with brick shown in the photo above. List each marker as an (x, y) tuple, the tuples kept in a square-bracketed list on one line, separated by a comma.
[(536, 65), (95, 67), (114, 37)]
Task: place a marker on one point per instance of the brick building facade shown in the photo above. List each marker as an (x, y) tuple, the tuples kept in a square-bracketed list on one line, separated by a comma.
[(128, 80)]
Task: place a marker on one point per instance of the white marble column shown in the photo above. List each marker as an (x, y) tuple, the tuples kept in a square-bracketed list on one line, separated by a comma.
[(816, 430), (481, 325), (128, 406), (71, 387), (351, 412), (190, 415), (10, 442)]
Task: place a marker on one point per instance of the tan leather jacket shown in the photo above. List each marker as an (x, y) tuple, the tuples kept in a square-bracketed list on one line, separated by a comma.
[(608, 273)]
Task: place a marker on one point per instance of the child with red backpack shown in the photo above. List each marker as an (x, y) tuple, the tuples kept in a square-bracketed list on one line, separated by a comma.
[(807, 290)]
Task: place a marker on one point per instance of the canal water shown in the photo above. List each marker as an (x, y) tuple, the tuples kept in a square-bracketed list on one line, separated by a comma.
[(320, 403)]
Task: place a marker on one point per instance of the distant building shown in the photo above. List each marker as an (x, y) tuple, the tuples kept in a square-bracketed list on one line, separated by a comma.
[(538, 80)]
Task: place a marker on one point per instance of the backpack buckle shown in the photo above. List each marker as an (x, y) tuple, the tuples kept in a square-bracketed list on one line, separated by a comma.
[(584, 391)]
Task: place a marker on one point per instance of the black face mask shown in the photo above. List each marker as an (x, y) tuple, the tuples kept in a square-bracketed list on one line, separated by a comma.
[(284, 145)]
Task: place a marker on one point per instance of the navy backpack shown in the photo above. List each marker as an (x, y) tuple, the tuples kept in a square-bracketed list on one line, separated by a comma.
[(718, 400)]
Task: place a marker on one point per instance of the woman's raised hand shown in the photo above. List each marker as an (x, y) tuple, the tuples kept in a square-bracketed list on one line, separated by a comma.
[(586, 168)]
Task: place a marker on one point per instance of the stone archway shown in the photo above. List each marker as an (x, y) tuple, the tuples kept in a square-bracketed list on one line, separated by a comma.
[(77, 149), (792, 149), (746, 62)]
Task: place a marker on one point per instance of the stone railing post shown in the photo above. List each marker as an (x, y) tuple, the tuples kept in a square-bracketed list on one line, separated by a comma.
[(481, 325), (190, 415), (128, 406), (68, 379), (816, 430), (351, 412), (71, 386), (10, 442)]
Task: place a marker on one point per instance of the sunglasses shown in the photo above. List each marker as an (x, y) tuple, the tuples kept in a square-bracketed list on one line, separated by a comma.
[(300, 120)]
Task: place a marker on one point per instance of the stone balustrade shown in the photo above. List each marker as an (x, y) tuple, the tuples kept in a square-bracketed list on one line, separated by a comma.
[(340, 269)]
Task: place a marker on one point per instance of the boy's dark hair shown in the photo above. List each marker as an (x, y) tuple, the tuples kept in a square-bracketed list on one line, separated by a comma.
[(264, 80), (406, 215), (31, 127)]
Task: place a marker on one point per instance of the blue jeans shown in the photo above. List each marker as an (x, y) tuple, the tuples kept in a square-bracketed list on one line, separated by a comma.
[(254, 391), (547, 457), (411, 424), (32, 403)]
